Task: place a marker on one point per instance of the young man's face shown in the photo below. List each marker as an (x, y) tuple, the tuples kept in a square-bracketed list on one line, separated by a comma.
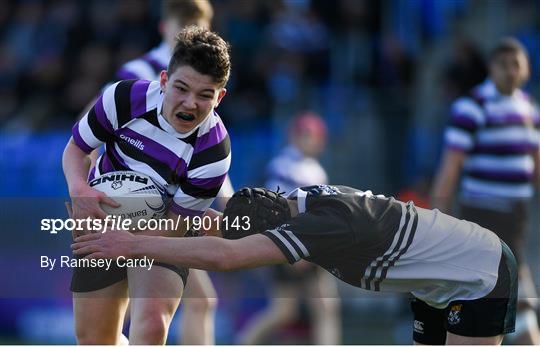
[(509, 71), (189, 97)]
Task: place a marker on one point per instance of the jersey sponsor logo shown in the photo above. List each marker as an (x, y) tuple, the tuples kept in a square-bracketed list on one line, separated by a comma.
[(453, 315), (418, 327), (135, 143)]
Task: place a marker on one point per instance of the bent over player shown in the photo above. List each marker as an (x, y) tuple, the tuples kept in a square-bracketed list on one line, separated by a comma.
[(169, 131), (462, 275)]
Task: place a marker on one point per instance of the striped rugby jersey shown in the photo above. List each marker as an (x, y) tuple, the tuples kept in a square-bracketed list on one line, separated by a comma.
[(381, 244), (499, 134), (126, 119), (148, 66)]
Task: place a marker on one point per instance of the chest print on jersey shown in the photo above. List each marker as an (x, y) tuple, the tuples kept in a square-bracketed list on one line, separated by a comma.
[(134, 142)]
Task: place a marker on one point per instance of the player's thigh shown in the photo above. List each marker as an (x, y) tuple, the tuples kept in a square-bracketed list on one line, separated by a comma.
[(154, 292), (527, 293), (285, 299), (101, 312), (199, 286), (323, 292), (429, 326), (453, 339), (322, 285)]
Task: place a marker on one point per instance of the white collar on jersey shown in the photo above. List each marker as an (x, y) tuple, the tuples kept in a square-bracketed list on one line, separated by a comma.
[(488, 89), (300, 196)]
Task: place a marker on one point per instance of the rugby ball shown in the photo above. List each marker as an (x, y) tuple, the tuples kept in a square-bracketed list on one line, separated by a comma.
[(140, 196)]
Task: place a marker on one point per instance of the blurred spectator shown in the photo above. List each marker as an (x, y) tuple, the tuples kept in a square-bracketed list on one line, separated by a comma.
[(297, 166), (493, 139)]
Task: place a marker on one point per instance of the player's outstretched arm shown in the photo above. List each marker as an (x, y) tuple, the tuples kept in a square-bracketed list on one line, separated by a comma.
[(537, 169), (205, 253), (447, 179)]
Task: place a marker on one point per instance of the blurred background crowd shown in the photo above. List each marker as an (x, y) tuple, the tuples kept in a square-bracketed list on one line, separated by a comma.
[(382, 75)]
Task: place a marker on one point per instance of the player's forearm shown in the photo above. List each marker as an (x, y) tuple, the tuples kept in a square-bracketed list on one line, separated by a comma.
[(446, 180), (537, 170), (205, 253), (75, 164), (442, 193), (215, 225)]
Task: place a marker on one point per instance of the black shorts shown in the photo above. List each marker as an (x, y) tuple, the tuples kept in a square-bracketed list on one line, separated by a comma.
[(88, 279), (509, 226), (492, 315)]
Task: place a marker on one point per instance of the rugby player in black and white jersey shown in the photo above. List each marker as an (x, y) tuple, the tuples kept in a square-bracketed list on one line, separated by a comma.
[(169, 130), (462, 275)]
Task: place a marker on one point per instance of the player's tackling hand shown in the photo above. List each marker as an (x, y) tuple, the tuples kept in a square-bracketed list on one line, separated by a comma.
[(108, 245)]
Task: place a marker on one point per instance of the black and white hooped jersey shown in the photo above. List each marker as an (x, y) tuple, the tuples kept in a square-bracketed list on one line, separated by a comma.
[(381, 244), (127, 120)]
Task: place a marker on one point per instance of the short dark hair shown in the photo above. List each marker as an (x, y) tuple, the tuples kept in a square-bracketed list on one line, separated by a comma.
[(204, 51), (187, 11), (507, 45)]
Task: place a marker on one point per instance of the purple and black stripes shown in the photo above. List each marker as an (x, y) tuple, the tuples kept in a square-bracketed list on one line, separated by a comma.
[(99, 112), (138, 97), (213, 137), (464, 122), (203, 187), (124, 74), (211, 154), (502, 148), (152, 148), (501, 176), (79, 140)]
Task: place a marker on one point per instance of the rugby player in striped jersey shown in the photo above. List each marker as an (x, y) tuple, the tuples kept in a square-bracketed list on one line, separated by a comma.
[(493, 140), (463, 277), (200, 297), (169, 130)]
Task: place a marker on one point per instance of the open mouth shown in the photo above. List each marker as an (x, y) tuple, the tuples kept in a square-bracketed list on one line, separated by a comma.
[(185, 116)]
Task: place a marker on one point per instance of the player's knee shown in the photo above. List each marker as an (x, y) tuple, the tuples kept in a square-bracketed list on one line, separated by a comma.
[(327, 305), (201, 305), (88, 336), (152, 329), (283, 311)]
